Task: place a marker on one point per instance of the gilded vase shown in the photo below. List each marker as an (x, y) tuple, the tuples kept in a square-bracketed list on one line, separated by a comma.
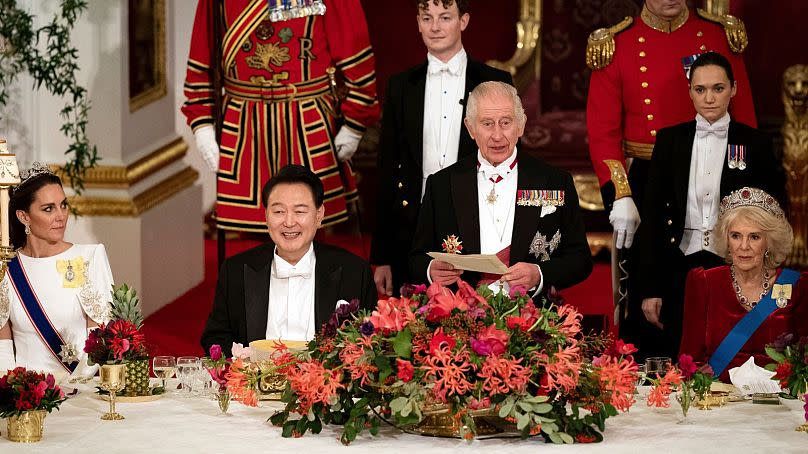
[(28, 427)]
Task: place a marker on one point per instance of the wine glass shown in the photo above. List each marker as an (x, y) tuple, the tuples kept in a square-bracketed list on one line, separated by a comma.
[(113, 379), (164, 367), (656, 367), (187, 367), (640, 377)]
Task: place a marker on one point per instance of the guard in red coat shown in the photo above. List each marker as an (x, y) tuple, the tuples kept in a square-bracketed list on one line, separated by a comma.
[(279, 59), (638, 86)]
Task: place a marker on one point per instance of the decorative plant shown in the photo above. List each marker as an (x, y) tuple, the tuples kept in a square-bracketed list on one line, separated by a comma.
[(791, 368), (47, 54), (465, 353), (24, 390), (692, 380), (115, 342)]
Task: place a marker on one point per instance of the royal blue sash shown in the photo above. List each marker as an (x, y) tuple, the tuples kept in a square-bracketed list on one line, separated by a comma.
[(747, 326), (42, 324)]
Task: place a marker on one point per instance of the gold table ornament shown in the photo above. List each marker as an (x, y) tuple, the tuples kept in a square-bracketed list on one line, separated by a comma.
[(113, 379), (27, 427)]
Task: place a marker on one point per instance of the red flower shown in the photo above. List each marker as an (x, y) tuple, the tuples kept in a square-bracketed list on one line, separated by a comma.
[(525, 320), (490, 341), (439, 340), (583, 438), (405, 370), (441, 306), (620, 348), (687, 366), (782, 373)]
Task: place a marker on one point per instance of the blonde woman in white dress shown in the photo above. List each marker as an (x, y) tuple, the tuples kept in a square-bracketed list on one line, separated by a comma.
[(53, 291)]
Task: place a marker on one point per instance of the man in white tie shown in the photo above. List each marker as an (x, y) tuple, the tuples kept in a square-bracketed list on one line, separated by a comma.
[(422, 132), (287, 288), (693, 166), (504, 203)]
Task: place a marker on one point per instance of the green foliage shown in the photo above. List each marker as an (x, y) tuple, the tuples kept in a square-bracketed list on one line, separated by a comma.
[(126, 305), (50, 58)]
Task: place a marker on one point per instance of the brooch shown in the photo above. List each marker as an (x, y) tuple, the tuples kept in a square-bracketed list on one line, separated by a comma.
[(781, 294), (541, 248), (69, 354), (452, 245)]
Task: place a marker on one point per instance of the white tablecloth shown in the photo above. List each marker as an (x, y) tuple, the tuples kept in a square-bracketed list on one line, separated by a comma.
[(180, 425)]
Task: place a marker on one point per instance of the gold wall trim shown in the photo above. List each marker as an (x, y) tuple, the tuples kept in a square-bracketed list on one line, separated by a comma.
[(146, 200), (122, 177), (528, 40)]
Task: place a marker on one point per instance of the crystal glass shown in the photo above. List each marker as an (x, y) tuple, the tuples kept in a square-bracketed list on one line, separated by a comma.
[(656, 367), (187, 369), (640, 377), (164, 367)]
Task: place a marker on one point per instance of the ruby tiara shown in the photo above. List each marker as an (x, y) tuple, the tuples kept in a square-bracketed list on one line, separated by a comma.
[(752, 197)]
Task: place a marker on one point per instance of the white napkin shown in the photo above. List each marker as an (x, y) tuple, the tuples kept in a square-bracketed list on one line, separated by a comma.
[(547, 209), (750, 378)]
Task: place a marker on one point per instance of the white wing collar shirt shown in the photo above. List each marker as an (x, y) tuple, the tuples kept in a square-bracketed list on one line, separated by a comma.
[(443, 112), (496, 202), (703, 191), (291, 298)]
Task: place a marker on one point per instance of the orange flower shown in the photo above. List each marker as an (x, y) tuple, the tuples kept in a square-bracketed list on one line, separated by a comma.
[(355, 361), (659, 397), (569, 320), (502, 375), (313, 384), (617, 381), (239, 385), (563, 368), (448, 370)]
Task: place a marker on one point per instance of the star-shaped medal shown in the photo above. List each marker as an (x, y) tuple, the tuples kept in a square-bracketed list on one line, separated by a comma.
[(69, 354), (491, 198)]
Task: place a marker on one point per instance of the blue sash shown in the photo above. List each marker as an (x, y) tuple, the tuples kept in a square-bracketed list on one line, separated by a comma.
[(42, 324), (747, 326)]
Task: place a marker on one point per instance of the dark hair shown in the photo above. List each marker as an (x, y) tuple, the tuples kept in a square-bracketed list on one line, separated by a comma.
[(292, 174), (462, 5), (21, 199), (713, 58)]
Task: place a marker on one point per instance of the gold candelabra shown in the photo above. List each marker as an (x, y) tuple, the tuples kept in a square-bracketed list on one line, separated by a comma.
[(9, 177)]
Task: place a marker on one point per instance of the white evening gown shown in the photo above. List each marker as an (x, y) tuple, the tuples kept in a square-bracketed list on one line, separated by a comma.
[(65, 302)]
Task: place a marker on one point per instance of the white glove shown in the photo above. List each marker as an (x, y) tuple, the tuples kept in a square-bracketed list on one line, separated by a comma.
[(624, 219), (346, 142), (208, 148), (7, 362)]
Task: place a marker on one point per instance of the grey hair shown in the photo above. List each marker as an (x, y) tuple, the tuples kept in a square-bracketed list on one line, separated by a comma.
[(492, 88), (779, 234)]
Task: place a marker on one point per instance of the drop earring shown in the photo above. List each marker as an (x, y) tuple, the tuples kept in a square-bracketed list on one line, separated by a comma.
[(27, 229)]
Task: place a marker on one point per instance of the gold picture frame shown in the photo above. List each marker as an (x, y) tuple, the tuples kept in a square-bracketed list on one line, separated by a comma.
[(147, 52)]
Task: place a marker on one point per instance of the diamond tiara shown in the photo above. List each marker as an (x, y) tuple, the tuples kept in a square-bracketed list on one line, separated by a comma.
[(752, 197), (37, 168)]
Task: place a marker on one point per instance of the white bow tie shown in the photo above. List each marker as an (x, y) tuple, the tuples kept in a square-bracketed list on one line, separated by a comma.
[(284, 271), (439, 67), (704, 129)]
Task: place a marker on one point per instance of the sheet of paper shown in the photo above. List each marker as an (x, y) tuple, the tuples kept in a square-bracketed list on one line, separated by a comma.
[(482, 263), (751, 378)]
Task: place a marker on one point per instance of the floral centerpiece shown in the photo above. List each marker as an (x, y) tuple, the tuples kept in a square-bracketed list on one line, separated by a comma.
[(25, 398), (218, 366), (692, 381), (468, 356), (120, 342)]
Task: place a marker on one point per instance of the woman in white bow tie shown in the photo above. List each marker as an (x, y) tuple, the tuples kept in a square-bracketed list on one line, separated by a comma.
[(53, 291), (693, 166)]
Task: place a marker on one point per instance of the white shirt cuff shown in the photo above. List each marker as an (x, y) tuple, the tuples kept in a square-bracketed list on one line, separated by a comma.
[(541, 283), (428, 267)]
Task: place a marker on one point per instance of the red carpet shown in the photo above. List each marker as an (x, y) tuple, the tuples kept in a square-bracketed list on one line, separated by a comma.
[(176, 328)]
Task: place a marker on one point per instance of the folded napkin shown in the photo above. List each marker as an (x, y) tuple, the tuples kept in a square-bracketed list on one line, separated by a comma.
[(751, 378)]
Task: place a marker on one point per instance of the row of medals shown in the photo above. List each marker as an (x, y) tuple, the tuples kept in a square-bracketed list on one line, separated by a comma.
[(293, 9)]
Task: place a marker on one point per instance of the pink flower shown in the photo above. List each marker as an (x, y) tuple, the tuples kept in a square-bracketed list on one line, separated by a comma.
[(391, 315), (240, 351), (405, 370), (517, 291), (442, 305), (475, 404), (215, 352), (470, 296), (490, 341), (687, 366)]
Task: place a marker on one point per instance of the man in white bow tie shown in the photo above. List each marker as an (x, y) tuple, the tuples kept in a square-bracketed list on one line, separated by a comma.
[(422, 132), (693, 166), (288, 288), (503, 203)]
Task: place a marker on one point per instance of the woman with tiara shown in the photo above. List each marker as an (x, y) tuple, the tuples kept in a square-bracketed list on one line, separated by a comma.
[(53, 291)]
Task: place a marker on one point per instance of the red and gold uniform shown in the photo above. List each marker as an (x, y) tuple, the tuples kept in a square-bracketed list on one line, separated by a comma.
[(639, 86), (278, 105)]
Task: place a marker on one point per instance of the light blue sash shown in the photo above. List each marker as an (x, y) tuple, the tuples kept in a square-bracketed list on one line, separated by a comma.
[(42, 324), (747, 326)]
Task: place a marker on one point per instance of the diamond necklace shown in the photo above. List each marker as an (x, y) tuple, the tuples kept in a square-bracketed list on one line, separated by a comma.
[(741, 298)]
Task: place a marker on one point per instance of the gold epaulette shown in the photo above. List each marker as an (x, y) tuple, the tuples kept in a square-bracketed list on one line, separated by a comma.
[(733, 27), (600, 45)]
